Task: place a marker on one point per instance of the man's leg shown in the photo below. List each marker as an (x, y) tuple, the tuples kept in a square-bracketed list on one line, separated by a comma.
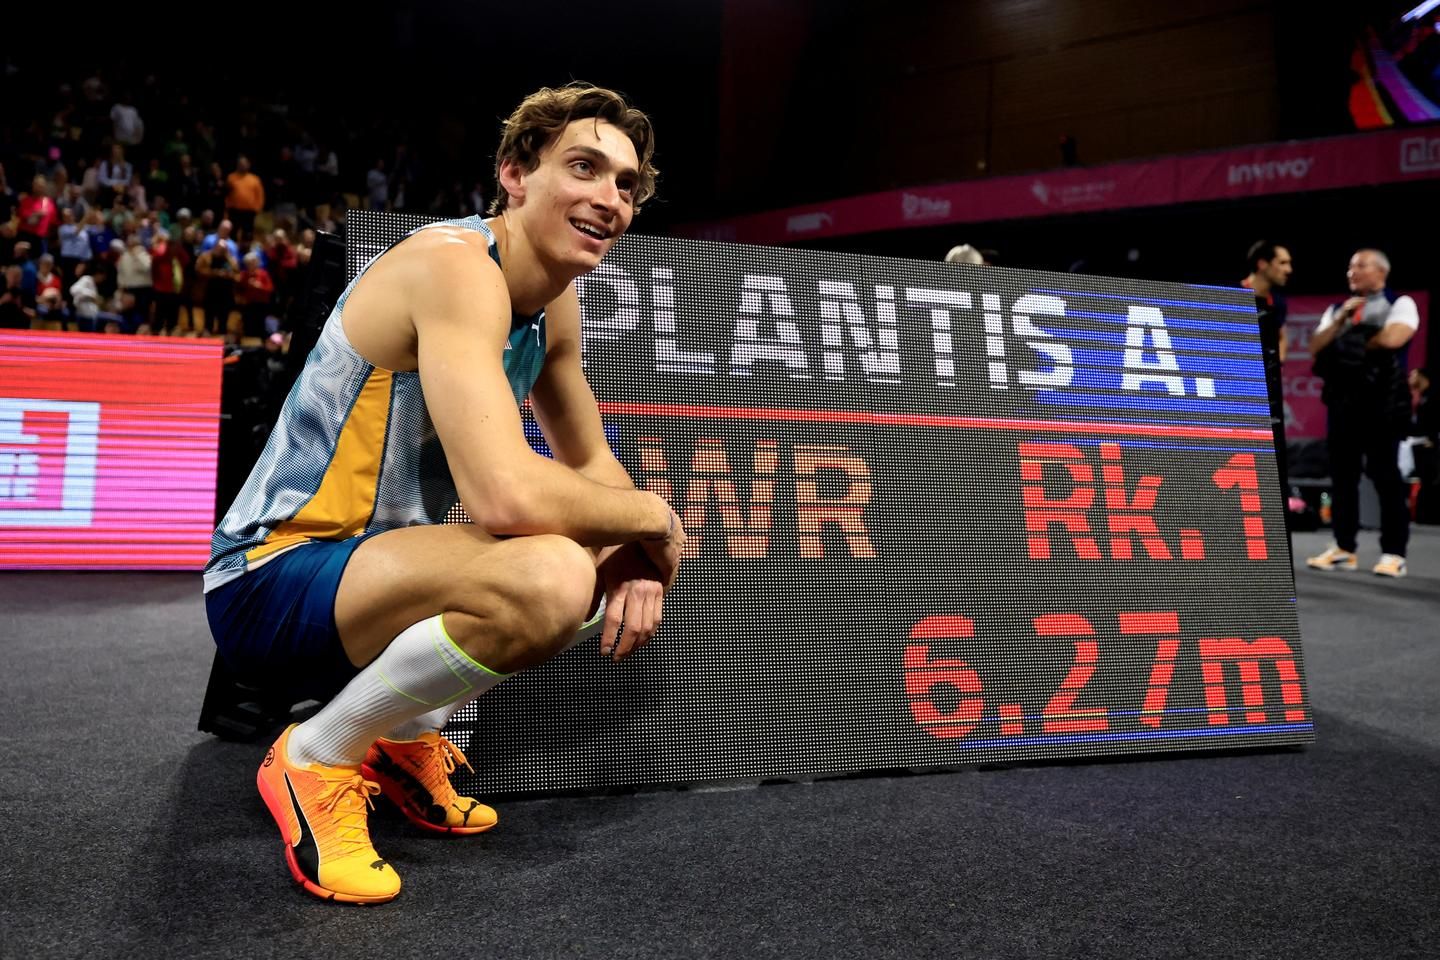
[(503, 605), (434, 614), (1345, 448), (1382, 456)]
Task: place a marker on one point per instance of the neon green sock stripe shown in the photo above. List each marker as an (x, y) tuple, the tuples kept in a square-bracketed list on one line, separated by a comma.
[(426, 703), (599, 615), (440, 620)]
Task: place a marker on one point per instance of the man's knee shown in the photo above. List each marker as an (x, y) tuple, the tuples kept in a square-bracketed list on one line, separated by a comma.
[(533, 608)]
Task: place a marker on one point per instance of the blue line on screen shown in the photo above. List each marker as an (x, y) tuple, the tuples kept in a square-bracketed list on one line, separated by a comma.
[(1109, 378), (1170, 322), (1143, 735), (1193, 304), (1249, 370), (1150, 402), (1183, 344)]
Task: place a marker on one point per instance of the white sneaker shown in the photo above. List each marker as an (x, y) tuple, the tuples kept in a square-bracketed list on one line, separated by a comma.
[(1334, 559), (1390, 565)]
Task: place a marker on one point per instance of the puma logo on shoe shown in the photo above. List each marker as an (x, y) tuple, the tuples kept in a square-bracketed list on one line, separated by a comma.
[(465, 813)]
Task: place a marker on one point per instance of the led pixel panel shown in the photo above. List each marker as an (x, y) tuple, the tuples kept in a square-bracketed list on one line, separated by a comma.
[(937, 515), (108, 448)]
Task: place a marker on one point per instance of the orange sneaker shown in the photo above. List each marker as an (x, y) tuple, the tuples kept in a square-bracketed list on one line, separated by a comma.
[(415, 776), (321, 812)]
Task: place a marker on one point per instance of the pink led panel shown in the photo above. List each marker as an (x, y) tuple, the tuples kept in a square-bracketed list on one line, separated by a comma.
[(108, 447)]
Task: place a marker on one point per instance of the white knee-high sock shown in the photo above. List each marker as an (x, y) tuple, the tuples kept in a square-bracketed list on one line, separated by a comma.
[(421, 671), (434, 721)]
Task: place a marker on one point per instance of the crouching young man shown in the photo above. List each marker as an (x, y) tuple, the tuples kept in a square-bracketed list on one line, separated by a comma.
[(333, 573)]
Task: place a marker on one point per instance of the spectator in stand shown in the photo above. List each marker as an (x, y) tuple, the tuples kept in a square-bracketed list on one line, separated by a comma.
[(965, 254), (477, 199), (113, 175), (17, 311), (85, 295), (221, 236), (100, 232), (49, 294), (28, 271), (8, 200), (57, 173), (377, 186), (284, 187), (304, 248), (146, 231), (327, 174), (185, 187), (157, 178), (175, 149), (282, 260), (38, 216), (214, 190), (127, 126), (306, 157), (74, 245), (136, 284), (403, 175), (169, 265), (136, 195), (244, 198), (72, 198), (218, 268), (107, 273), (121, 220), (160, 212), (202, 144), (90, 186), (253, 290), (47, 281), (182, 222)]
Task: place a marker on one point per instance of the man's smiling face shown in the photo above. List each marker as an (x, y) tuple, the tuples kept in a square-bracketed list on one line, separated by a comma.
[(580, 197)]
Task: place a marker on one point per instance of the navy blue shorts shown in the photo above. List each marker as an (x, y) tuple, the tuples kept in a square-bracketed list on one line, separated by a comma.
[(275, 625)]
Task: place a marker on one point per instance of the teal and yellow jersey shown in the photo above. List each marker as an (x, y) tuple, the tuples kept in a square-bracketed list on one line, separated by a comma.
[(354, 450)]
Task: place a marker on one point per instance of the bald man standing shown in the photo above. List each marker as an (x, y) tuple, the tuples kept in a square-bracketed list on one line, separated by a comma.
[(1359, 350)]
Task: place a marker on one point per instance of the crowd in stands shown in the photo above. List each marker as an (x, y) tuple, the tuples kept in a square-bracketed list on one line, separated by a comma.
[(125, 214)]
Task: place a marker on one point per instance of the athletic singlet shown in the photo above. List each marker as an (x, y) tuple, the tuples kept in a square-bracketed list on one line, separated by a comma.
[(354, 450)]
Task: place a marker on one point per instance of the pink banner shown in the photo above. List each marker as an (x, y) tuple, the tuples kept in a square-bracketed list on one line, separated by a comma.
[(108, 450), (1390, 156), (1304, 412)]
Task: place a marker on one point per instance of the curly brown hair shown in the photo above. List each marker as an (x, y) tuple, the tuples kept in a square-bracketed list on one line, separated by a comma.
[(543, 116)]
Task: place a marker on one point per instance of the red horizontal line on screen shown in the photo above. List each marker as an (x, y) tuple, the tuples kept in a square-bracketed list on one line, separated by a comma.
[(925, 420)]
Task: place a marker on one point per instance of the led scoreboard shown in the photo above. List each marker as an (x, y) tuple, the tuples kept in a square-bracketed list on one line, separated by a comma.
[(937, 515)]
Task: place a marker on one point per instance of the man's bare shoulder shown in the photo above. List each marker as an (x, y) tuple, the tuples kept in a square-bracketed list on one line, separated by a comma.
[(442, 274), (442, 255)]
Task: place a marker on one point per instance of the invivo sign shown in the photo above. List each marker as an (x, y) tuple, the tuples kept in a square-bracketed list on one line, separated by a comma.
[(1361, 160)]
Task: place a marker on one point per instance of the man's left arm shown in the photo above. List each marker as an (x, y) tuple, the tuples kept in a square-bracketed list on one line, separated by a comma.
[(1400, 325), (634, 576)]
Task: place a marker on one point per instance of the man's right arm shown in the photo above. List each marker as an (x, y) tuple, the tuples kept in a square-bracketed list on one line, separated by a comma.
[(461, 312), (1329, 328)]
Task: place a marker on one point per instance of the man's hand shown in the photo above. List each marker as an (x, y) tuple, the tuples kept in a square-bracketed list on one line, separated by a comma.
[(634, 601), (665, 554), (1352, 310)]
